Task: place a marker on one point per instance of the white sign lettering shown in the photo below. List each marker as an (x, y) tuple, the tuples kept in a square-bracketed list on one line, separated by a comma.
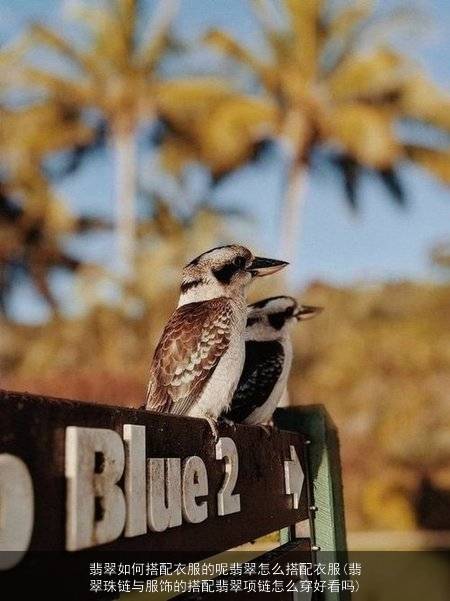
[(158, 493), (227, 502), (135, 480), (195, 484), (164, 493), (95, 504), (16, 510)]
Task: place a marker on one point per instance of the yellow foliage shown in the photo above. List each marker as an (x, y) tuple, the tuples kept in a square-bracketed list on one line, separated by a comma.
[(212, 125), (387, 507), (367, 76), (436, 161), (423, 100), (228, 137), (365, 133), (175, 153), (184, 103)]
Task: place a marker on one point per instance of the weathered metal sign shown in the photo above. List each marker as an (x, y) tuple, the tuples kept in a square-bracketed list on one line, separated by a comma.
[(76, 476)]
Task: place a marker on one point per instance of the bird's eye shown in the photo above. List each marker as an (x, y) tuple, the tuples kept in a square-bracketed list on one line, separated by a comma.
[(225, 273), (251, 321), (277, 320)]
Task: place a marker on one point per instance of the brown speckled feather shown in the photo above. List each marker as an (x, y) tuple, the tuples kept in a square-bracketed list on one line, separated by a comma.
[(194, 339)]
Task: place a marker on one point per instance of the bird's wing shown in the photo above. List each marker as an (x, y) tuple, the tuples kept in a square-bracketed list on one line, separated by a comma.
[(264, 363), (193, 341)]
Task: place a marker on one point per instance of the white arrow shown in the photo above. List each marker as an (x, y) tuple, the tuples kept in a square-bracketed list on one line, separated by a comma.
[(293, 477)]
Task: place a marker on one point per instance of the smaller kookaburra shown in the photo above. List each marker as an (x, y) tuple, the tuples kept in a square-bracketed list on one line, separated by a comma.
[(200, 356), (268, 358)]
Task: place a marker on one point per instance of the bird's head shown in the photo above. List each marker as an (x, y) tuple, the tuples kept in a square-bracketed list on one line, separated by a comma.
[(223, 271), (271, 318)]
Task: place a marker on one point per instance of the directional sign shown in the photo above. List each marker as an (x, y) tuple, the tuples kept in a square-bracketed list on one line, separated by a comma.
[(77, 476)]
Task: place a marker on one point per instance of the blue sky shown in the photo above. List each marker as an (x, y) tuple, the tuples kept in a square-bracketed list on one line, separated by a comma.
[(380, 242)]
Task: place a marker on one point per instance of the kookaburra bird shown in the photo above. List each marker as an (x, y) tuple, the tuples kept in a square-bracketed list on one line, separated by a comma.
[(268, 358), (200, 356)]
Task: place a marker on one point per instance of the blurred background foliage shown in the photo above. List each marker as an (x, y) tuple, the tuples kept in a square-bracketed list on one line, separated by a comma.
[(327, 89)]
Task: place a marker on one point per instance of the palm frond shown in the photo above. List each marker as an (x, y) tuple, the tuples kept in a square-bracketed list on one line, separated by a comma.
[(48, 37), (343, 24), (350, 172), (264, 13), (304, 19), (393, 185), (367, 76), (227, 139), (31, 78), (158, 34), (423, 100), (230, 47), (175, 153), (366, 133), (78, 153), (182, 103), (435, 161), (109, 47), (128, 12)]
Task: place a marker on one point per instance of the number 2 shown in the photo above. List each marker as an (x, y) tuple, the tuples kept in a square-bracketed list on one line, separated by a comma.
[(227, 502)]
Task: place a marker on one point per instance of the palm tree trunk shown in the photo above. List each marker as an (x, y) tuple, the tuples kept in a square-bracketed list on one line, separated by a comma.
[(125, 158), (291, 212)]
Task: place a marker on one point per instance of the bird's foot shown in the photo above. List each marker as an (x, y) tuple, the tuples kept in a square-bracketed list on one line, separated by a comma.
[(268, 428), (212, 423)]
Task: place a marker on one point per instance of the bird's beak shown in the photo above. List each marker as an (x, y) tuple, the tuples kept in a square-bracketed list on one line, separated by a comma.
[(260, 267), (307, 312)]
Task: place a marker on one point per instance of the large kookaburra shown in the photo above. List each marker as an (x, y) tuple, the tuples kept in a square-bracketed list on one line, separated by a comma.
[(200, 356), (268, 358)]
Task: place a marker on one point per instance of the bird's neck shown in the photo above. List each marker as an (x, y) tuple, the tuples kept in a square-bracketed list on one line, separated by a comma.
[(260, 333), (286, 342), (205, 292)]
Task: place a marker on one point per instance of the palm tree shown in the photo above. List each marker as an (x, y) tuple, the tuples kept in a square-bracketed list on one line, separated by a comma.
[(213, 125), (116, 75), (331, 92), (24, 148), (33, 219)]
